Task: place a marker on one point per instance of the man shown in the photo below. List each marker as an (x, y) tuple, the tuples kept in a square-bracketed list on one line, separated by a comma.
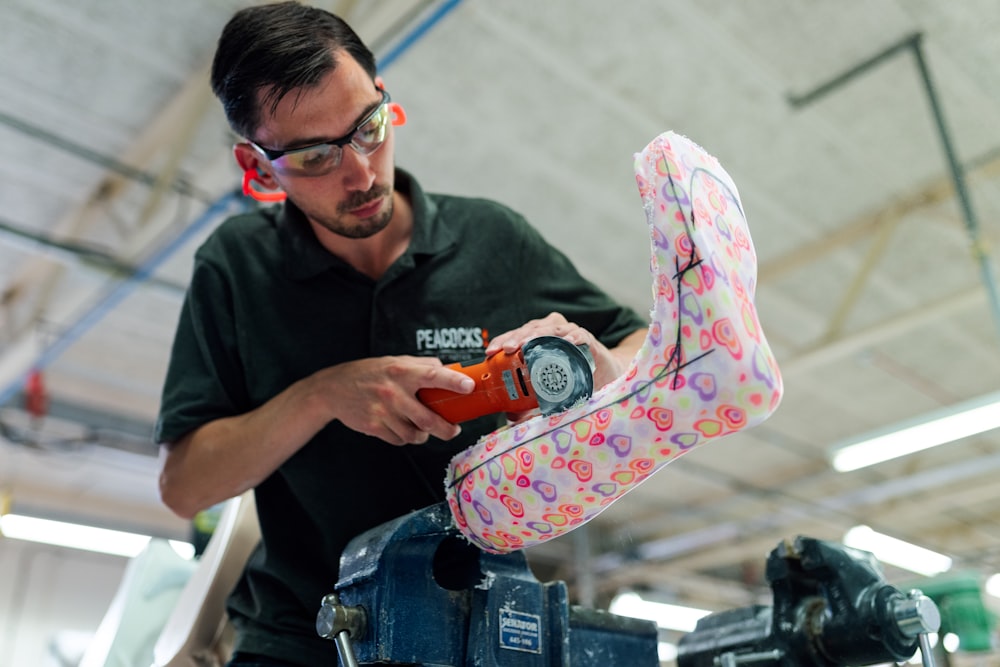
[(309, 328)]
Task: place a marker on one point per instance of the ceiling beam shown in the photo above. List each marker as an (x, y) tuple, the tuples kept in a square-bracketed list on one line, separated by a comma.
[(986, 168), (830, 351)]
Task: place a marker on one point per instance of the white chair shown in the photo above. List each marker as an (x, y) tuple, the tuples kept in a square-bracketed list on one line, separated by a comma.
[(198, 633), (148, 592)]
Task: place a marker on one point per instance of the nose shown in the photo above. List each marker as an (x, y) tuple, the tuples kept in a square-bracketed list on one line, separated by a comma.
[(356, 170)]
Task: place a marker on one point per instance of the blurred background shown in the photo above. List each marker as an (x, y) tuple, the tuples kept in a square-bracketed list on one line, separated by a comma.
[(865, 142)]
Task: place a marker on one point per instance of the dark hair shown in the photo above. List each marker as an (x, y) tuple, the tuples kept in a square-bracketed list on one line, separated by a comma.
[(276, 49)]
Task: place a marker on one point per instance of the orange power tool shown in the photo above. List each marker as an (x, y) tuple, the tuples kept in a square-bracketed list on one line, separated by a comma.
[(548, 373)]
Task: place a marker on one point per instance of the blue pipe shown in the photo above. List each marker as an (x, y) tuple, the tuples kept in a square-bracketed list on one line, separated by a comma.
[(121, 290), (417, 33)]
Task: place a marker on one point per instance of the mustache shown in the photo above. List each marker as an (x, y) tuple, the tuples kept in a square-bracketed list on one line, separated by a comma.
[(359, 199)]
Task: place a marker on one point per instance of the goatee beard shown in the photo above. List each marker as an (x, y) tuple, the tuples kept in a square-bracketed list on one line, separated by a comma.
[(366, 227), (360, 199)]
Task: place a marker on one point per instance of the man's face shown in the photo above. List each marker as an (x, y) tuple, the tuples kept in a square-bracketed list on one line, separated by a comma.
[(354, 200)]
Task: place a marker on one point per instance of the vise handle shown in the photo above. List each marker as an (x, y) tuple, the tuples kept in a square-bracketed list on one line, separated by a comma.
[(339, 623)]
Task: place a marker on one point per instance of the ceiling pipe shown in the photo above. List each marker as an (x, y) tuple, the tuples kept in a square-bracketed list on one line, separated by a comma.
[(979, 250), (913, 44), (68, 335), (97, 428), (180, 185), (415, 35), (71, 253)]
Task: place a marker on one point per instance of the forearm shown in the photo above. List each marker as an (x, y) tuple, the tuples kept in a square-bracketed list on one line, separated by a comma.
[(615, 362), (629, 346), (377, 397), (223, 458)]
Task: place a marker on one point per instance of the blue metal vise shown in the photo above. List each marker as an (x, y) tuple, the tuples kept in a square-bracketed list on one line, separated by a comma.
[(414, 592)]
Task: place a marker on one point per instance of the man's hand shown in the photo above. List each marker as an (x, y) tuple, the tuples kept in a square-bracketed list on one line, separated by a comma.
[(377, 397), (609, 364), (225, 457)]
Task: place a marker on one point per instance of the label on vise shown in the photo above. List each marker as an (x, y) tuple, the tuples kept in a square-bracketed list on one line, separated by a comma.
[(520, 631)]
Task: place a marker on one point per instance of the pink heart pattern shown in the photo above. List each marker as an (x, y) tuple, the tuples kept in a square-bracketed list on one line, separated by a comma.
[(704, 371)]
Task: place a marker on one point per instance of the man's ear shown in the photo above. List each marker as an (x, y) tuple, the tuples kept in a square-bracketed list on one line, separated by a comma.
[(250, 159), (379, 83)]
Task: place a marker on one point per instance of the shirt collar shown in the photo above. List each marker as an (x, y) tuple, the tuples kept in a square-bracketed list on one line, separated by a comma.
[(304, 257)]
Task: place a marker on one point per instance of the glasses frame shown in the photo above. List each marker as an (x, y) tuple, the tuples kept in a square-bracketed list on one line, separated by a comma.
[(339, 142)]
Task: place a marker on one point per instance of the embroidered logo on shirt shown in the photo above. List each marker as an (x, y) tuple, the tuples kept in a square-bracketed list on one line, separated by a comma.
[(452, 339)]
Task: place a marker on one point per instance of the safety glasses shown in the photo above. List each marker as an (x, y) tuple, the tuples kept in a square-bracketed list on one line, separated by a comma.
[(320, 159)]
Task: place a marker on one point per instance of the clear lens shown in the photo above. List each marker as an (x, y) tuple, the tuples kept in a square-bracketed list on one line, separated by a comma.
[(371, 134), (311, 160), (323, 158)]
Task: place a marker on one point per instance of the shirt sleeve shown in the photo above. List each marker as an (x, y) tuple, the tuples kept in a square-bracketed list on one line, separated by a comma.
[(205, 379)]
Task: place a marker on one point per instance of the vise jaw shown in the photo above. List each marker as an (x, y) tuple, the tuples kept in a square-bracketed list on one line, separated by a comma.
[(415, 592)]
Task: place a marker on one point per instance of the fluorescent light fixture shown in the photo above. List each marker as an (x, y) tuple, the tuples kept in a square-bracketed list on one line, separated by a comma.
[(935, 428), (897, 552), (993, 585), (76, 536), (667, 616)]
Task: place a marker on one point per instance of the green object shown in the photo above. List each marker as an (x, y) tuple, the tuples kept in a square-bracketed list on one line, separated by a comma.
[(207, 520), (959, 599), (203, 525)]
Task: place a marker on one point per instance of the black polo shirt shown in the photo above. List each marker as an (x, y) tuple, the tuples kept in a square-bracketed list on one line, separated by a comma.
[(268, 306)]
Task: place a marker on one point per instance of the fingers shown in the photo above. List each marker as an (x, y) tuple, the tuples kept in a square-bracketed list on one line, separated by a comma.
[(441, 377), (378, 397), (427, 423), (407, 433), (607, 366), (425, 420), (518, 417), (396, 429), (553, 324)]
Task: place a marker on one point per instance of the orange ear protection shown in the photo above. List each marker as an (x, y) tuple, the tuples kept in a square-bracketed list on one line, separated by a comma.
[(251, 175), (398, 115), (270, 196)]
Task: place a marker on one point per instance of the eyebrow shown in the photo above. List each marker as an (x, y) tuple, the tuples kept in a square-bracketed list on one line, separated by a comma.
[(306, 142)]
